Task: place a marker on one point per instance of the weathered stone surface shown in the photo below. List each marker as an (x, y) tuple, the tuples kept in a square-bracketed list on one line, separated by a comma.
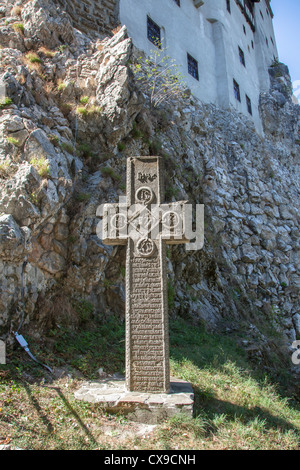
[(148, 408), (147, 336)]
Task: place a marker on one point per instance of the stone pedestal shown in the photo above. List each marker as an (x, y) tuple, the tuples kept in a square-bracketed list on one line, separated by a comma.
[(142, 407)]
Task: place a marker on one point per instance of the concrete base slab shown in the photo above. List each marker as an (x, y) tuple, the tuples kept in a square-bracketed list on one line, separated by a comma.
[(151, 408)]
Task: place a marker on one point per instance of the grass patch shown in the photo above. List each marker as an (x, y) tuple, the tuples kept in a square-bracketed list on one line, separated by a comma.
[(13, 141), (18, 28), (61, 86), (5, 169), (236, 408), (107, 171), (5, 103), (16, 11), (84, 100), (68, 147), (42, 166), (48, 53), (33, 58), (84, 150), (82, 197), (88, 111)]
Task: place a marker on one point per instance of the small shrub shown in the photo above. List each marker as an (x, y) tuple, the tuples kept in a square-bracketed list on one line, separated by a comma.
[(82, 111), (121, 146), (84, 150), (82, 197), (6, 102), (4, 169), (42, 166), (54, 139), (84, 99), (136, 133), (13, 141), (61, 86), (18, 28), (68, 147), (16, 11), (159, 76), (88, 111), (108, 171), (47, 52), (94, 110), (33, 58), (62, 48)]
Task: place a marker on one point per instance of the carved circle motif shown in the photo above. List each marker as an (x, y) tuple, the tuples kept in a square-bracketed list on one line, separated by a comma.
[(144, 195), (145, 247), (170, 219), (118, 221)]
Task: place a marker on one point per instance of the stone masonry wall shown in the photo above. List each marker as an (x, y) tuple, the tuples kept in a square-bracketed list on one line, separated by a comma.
[(99, 16)]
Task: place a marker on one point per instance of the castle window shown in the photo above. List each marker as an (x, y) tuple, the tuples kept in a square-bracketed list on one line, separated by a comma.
[(249, 105), (236, 89), (267, 42), (228, 6), (261, 14), (177, 2), (244, 29), (252, 44), (242, 57), (193, 67), (153, 32)]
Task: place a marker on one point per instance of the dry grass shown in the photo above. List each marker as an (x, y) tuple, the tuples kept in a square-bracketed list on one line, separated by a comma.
[(16, 11), (42, 166), (47, 52), (233, 410)]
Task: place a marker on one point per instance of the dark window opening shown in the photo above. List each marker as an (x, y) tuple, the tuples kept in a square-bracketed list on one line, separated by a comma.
[(236, 89), (193, 67), (244, 29), (177, 2), (228, 6), (267, 42), (261, 14), (252, 44), (249, 105), (242, 57), (153, 32), (272, 41)]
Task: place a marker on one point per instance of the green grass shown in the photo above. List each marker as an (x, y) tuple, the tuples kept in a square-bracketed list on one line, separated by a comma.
[(84, 99), (18, 28), (108, 171), (13, 141), (33, 58), (6, 102), (236, 407), (42, 166)]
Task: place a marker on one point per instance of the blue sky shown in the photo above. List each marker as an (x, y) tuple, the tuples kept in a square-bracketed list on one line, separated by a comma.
[(287, 32)]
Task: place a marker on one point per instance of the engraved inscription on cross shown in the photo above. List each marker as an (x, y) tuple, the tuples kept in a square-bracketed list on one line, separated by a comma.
[(144, 223)]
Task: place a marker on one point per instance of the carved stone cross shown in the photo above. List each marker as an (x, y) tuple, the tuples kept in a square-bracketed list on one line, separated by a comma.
[(145, 224)]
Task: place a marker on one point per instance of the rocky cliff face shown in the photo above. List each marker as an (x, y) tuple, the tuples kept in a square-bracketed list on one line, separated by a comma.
[(71, 116)]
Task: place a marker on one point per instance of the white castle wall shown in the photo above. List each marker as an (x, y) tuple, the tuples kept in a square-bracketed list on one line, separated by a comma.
[(211, 35)]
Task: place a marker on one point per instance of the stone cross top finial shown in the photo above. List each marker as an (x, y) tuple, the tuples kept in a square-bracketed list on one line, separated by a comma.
[(145, 225)]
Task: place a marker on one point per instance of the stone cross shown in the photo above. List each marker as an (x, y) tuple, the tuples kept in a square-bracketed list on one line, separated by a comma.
[(145, 224)]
